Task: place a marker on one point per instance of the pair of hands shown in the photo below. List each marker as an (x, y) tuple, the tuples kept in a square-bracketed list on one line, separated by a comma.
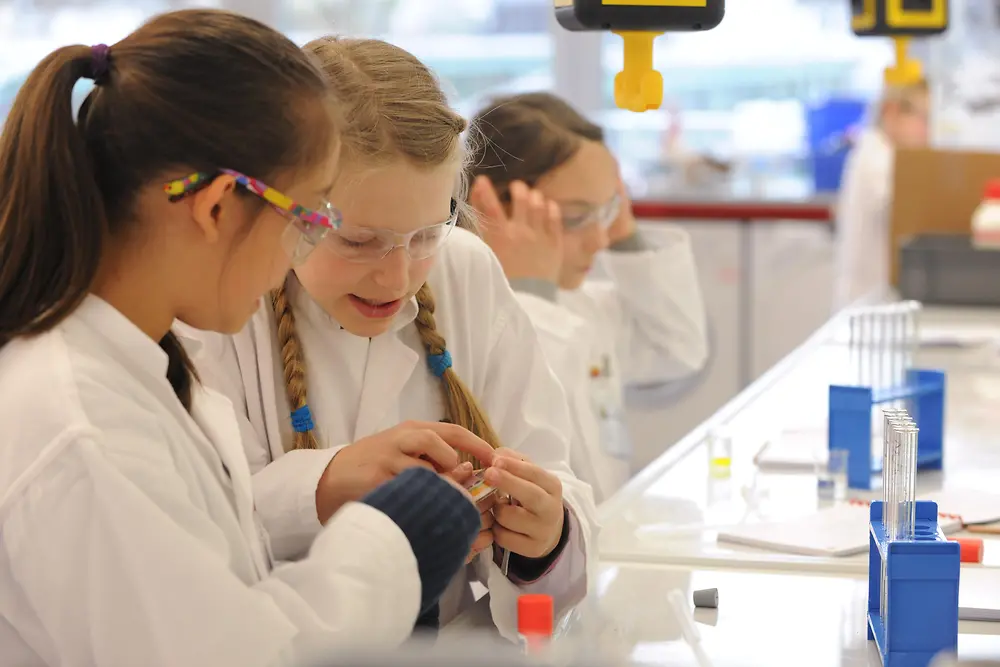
[(531, 529), (528, 237)]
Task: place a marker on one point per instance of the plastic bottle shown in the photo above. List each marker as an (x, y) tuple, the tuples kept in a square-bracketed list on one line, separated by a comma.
[(986, 219), (535, 621)]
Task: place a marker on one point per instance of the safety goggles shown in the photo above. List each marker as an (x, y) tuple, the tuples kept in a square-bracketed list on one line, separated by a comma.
[(370, 244), (307, 227), (580, 219)]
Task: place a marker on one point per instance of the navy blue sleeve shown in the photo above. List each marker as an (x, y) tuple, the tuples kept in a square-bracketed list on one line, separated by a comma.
[(439, 522)]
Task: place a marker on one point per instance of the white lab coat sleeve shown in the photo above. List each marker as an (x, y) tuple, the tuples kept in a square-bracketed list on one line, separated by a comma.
[(284, 490), (121, 567), (861, 210), (529, 411), (654, 298)]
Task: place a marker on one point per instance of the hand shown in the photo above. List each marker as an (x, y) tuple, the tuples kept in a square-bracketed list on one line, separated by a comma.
[(529, 240), (358, 468), (624, 225), (533, 529), (485, 537)]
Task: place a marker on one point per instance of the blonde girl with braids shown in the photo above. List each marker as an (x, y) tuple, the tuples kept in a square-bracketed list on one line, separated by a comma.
[(401, 330)]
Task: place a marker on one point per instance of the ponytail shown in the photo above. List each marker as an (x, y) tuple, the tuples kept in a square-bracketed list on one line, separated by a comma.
[(461, 406), (294, 369), (52, 217)]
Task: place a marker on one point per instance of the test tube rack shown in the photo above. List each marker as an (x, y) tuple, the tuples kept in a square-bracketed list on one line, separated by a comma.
[(920, 615), (881, 349), (850, 422)]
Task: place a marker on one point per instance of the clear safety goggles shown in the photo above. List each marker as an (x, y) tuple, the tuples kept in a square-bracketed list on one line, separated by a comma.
[(370, 244), (580, 219)]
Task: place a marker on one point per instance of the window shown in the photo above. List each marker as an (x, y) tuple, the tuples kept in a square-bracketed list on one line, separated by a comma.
[(477, 47)]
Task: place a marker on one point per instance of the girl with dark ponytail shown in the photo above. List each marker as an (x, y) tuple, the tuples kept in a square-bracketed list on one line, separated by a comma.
[(194, 175)]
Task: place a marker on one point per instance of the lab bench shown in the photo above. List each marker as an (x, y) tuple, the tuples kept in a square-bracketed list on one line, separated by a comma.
[(673, 510), (763, 619)]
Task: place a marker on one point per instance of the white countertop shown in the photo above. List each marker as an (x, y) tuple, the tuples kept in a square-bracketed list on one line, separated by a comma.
[(763, 619), (672, 511)]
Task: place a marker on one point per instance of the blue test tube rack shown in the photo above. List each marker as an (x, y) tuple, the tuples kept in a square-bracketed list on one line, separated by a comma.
[(850, 422), (921, 615)]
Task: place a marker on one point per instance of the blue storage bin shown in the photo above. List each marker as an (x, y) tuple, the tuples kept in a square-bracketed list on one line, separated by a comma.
[(827, 125)]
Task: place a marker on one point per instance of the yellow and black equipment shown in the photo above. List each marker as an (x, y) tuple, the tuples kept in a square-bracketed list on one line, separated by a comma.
[(639, 87), (900, 20)]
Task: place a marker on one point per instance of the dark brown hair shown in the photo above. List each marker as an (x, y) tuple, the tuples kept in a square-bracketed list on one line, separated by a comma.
[(523, 137), (394, 109), (193, 90)]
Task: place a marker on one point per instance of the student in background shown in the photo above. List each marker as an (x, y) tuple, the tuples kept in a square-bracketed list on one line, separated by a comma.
[(129, 532), (861, 265), (399, 315), (555, 209)]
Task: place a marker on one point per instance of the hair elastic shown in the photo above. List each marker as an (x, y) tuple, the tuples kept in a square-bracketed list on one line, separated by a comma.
[(439, 363), (100, 61), (302, 420)]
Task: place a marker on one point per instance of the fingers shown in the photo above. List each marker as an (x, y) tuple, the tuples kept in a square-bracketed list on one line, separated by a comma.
[(519, 520), (515, 542), (462, 473), (482, 541), (456, 437), (530, 472), (520, 203), (486, 520), (484, 199), (425, 443), (527, 493), (487, 503), (553, 220)]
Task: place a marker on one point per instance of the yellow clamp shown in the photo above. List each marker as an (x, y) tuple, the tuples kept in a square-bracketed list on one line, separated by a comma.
[(638, 87), (905, 72)]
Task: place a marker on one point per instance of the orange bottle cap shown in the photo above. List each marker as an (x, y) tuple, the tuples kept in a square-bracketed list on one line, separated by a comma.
[(970, 548), (535, 615)]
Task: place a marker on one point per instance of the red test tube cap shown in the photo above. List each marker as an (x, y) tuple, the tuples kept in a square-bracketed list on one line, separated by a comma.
[(535, 615), (970, 548)]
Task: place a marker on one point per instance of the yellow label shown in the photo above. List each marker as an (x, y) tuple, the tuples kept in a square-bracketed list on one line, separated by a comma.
[(656, 3), (897, 16), (564, 3)]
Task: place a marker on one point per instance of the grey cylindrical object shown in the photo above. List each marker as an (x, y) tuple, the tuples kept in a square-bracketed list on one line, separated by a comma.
[(707, 598)]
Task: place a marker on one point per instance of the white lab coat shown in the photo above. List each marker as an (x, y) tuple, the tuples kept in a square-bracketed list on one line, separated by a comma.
[(861, 264), (359, 386), (643, 321), (129, 534)]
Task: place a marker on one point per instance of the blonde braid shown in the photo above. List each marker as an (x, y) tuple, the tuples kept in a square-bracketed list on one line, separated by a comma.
[(294, 369), (462, 407)]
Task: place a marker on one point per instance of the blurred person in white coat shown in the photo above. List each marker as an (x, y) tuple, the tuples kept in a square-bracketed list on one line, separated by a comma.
[(862, 253), (129, 535), (555, 211), (398, 316)]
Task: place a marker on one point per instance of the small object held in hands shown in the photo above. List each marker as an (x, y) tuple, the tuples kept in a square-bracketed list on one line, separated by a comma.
[(708, 597), (478, 488)]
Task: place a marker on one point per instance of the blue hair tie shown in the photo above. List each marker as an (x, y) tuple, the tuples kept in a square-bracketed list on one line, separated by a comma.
[(439, 363), (302, 420)]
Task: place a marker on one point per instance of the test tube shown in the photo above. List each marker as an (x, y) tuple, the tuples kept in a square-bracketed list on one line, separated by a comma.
[(912, 433)]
